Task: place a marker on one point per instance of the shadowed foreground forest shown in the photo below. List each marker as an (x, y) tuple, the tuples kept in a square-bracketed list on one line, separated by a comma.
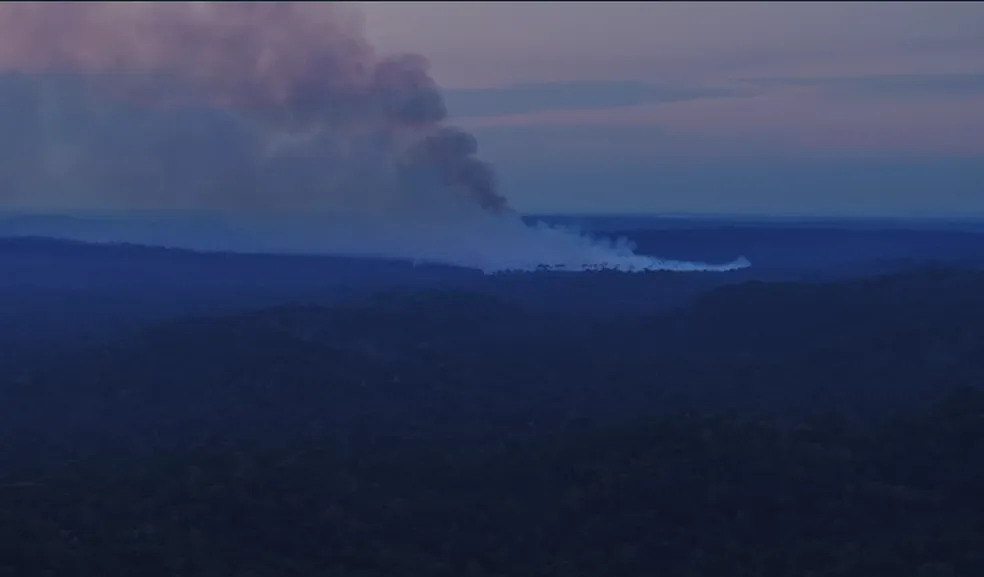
[(764, 429)]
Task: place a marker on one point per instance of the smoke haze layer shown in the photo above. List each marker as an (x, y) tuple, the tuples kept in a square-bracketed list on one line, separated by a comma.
[(277, 115)]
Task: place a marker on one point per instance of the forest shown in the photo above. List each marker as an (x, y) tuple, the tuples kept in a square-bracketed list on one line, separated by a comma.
[(765, 428)]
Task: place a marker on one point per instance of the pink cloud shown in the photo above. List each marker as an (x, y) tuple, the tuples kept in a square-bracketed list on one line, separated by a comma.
[(793, 120), (488, 44), (808, 119)]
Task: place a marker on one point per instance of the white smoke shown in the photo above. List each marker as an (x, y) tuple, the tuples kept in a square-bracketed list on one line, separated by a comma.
[(492, 243), (278, 116)]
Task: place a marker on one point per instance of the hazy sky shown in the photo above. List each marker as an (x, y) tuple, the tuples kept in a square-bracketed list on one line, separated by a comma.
[(713, 107)]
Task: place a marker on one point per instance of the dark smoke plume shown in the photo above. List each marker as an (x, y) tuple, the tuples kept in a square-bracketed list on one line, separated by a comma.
[(280, 114), (294, 67)]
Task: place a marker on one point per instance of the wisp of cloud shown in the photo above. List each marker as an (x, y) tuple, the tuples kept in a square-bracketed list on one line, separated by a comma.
[(278, 116)]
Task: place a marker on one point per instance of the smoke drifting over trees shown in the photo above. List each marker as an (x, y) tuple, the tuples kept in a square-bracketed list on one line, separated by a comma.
[(247, 108)]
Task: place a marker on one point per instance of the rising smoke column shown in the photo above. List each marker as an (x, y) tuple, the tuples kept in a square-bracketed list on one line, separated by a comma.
[(261, 109)]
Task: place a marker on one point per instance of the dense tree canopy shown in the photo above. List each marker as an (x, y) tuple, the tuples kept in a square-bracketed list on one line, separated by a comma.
[(766, 429)]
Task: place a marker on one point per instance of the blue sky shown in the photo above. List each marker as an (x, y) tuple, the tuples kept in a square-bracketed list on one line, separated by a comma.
[(777, 108)]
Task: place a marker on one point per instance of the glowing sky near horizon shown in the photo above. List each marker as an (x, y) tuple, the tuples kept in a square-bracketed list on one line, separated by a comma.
[(834, 108), (829, 108)]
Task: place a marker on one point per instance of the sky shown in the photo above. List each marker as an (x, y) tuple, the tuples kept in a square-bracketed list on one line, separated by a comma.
[(741, 107)]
